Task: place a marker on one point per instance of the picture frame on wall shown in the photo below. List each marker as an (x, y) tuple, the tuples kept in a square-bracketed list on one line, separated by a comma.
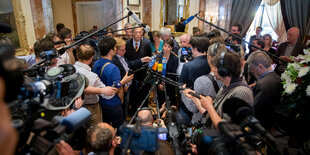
[(133, 2), (131, 20)]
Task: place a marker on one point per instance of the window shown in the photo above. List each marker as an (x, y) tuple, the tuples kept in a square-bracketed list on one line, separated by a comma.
[(262, 20)]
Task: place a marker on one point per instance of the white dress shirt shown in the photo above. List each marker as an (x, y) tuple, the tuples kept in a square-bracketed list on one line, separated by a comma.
[(94, 81)]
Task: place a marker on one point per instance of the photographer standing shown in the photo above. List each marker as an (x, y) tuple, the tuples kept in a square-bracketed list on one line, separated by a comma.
[(228, 69), (194, 69), (110, 76)]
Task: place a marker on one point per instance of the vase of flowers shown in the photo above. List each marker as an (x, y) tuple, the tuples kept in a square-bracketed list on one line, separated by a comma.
[(294, 110)]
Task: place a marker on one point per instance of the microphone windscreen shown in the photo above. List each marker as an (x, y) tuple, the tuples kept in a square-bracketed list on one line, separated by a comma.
[(76, 119), (160, 67), (189, 19)]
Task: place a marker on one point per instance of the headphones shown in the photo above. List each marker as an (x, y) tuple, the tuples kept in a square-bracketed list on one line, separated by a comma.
[(151, 110), (222, 71)]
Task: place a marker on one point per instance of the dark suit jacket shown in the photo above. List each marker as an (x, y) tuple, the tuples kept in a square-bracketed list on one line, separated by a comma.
[(194, 69), (251, 39), (172, 64), (176, 47), (132, 55), (133, 65), (267, 95), (298, 49)]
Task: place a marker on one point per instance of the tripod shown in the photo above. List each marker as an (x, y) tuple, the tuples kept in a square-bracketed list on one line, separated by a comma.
[(154, 84)]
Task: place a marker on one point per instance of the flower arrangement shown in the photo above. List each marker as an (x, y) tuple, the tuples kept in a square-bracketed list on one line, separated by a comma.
[(296, 78), (293, 111)]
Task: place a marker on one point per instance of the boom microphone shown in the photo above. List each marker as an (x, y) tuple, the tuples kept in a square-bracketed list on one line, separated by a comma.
[(135, 17), (189, 19)]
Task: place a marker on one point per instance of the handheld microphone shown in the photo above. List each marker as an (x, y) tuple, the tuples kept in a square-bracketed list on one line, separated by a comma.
[(164, 61), (159, 67), (76, 119), (189, 19), (155, 66), (148, 77)]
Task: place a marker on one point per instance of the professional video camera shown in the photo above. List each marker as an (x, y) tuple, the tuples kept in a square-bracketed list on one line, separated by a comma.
[(248, 137), (186, 54), (40, 104)]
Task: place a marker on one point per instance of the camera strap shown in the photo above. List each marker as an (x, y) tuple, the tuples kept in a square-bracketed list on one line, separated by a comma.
[(215, 85), (103, 68)]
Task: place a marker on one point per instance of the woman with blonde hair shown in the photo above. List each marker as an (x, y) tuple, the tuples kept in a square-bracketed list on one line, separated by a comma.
[(156, 43), (268, 42)]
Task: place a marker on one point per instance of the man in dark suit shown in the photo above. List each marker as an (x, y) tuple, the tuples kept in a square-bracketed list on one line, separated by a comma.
[(258, 31), (137, 48), (292, 47), (193, 69), (268, 88)]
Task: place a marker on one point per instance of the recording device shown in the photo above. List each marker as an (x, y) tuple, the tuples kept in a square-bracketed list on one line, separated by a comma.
[(137, 137), (57, 90), (233, 47), (116, 84), (162, 133), (43, 134), (186, 54)]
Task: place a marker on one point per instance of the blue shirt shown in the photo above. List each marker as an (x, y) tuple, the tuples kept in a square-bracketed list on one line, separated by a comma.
[(262, 75), (30, 59), (160, 48), (110, 75)]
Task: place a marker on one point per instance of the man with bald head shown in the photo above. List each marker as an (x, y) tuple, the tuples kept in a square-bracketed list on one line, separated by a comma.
[(146, 117), (292, 47), (184, 39)]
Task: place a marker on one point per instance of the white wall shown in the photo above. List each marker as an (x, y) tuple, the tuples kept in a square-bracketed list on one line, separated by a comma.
[(155, 15), (193, 9)]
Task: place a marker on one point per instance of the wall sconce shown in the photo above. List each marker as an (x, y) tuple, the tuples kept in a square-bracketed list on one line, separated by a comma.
[(211, 17)]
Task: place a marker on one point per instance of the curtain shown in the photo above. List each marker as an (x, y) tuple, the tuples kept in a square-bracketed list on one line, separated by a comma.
[(274, 14), (296, 13), (243, 12), (224, 15)]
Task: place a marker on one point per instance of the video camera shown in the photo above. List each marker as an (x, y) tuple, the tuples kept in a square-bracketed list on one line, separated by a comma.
[(186, 54), (246, 136), (41, 102), (44, 134)]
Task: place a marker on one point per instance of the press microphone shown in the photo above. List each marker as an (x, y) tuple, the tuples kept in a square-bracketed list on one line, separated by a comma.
[(164, 61), (135, 17), (189, 19), (148, 77), (76, 119), (159, 67)]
